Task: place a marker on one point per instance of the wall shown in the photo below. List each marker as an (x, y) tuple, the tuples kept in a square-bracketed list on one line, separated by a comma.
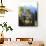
[(38, 33)]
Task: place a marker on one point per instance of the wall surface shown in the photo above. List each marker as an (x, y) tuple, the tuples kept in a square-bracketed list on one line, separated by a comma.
[(38, 33)]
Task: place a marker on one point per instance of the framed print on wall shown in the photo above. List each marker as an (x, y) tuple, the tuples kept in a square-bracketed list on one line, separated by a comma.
[(28, 14)]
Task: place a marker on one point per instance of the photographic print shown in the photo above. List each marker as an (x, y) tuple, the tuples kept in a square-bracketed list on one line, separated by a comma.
[(28, 15)]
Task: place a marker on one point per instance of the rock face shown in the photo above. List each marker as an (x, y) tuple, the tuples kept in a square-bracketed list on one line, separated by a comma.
[(1, 38)]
